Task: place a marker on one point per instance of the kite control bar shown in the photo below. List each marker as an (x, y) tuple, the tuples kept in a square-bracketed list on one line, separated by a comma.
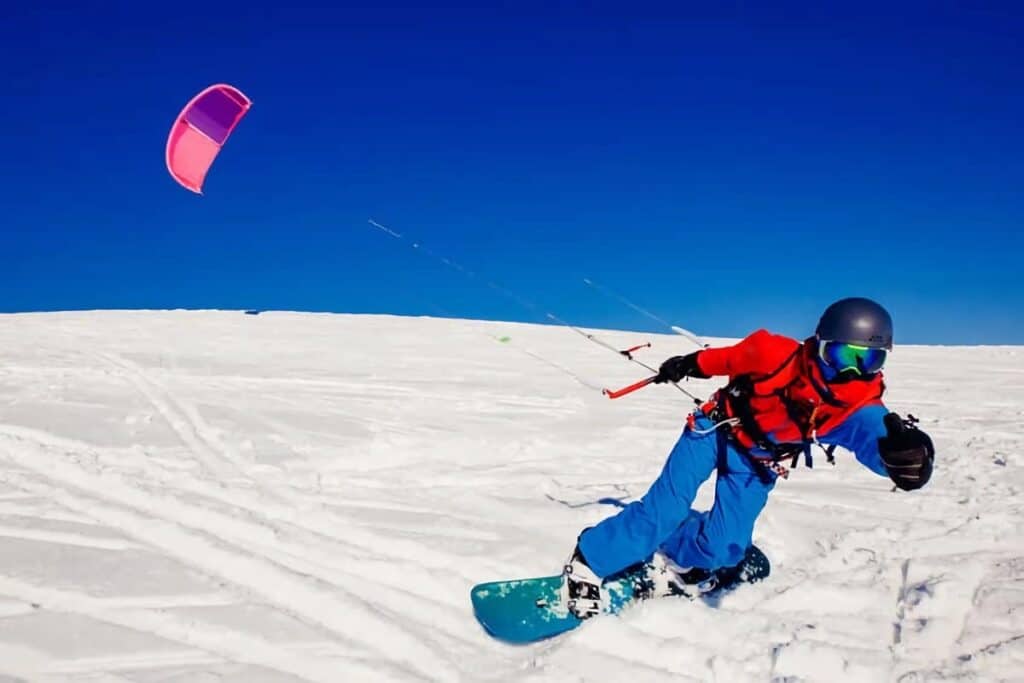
[(630, 389)]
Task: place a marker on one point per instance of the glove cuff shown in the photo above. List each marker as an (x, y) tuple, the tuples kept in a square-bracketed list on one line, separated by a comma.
[(697, 372)]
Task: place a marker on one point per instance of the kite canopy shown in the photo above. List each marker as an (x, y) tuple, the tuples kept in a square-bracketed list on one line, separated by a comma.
[(199, 132)]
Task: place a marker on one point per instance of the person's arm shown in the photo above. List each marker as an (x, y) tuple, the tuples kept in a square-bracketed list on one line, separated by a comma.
[(887, 445), (860, 433), (759, 353)]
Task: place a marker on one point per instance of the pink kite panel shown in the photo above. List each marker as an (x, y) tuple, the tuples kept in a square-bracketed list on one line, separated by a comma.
[(190, 155), (200, 131)]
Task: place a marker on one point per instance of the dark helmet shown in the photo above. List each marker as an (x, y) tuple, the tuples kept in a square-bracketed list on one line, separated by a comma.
[(856, 321)]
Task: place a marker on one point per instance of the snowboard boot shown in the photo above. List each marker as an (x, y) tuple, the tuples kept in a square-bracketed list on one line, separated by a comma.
[(661, 577)]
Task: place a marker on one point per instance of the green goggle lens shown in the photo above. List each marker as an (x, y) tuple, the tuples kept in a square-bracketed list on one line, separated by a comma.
[(841, 357)]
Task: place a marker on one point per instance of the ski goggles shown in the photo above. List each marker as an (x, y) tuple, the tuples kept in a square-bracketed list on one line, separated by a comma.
[(841, 357)]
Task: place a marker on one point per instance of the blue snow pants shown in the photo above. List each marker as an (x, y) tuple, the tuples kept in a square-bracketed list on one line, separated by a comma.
[(663, 519)]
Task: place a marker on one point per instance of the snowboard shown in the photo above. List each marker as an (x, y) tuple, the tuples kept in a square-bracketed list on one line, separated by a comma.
[(527, 610)]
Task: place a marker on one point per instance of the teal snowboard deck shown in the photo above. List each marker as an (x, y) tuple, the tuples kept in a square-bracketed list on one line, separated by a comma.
[(528, 610)]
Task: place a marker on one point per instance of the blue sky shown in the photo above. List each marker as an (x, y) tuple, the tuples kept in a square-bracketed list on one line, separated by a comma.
[(725, 168)]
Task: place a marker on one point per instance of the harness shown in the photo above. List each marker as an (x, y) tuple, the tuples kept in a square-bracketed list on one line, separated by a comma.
[(809, 404)]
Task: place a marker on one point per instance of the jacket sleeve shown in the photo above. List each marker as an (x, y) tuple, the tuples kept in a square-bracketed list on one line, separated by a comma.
[(860, 433), (760, 353)]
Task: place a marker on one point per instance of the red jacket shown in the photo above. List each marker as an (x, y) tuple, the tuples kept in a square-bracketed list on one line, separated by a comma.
[(776, 386)]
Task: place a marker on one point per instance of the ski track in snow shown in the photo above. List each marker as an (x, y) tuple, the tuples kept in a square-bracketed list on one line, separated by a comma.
[(295, 497)]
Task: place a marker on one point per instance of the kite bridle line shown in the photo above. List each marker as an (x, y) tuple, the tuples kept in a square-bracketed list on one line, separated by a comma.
[(416, 245), (507, 341), (675, 329)]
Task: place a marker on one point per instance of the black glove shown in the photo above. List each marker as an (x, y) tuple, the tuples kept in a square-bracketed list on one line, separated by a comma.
[(907, 452), (678, 367)]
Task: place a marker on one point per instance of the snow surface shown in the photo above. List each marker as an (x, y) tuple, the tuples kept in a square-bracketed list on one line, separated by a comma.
[(212, 496)]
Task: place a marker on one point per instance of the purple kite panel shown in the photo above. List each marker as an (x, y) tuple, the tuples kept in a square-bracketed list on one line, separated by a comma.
[(214, 114)]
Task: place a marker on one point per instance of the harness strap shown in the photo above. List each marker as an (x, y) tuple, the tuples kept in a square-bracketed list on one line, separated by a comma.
[(724, 434), (733, 416)]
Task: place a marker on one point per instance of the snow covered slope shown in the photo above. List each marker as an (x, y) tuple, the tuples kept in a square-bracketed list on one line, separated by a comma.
[(210, 496)]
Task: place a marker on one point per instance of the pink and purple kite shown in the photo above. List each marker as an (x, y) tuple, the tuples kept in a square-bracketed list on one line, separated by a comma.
[(199, 132)]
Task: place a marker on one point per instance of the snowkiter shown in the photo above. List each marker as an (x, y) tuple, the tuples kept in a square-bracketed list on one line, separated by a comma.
[(783, 397)]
